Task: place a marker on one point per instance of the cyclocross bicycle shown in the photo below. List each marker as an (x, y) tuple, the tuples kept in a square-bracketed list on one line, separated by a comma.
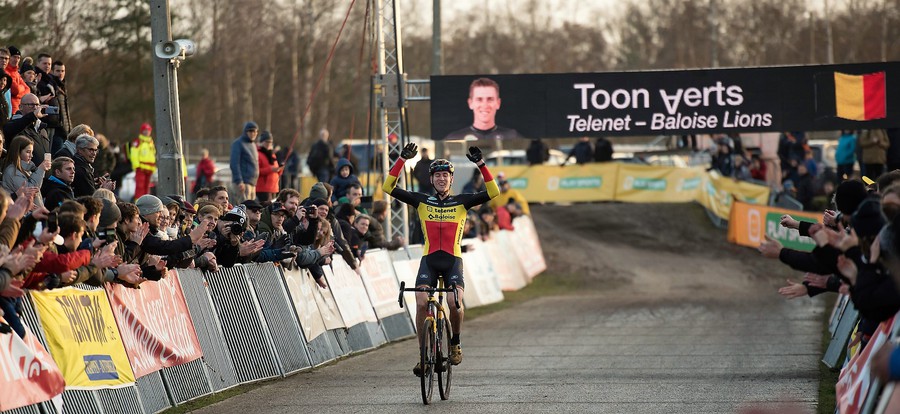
[(434, 350)]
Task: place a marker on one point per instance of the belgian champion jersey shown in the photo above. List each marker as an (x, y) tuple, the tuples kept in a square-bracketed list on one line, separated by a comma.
[(442, 220)]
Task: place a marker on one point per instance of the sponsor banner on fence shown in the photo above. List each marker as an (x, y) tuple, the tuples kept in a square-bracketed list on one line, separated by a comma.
[(719, 192), (380, 282), (154, 342), (349, 293), (406, 270), (652, 184), (83, 338), (856, 377), (551, 183), (301, 286), (482, 285), (506, 266), (750, 223), (28, 375), (528, 247)]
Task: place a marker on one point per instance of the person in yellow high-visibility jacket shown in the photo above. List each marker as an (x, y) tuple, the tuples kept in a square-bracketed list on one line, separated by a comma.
[(142, 154)]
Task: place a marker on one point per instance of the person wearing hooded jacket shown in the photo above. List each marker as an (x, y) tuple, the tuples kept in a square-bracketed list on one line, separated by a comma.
[(343, 179), (245, 161)]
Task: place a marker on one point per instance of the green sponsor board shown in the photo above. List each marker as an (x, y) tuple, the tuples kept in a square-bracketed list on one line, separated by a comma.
[(575, 183), (788, 238), (649, 184), (518, 183)]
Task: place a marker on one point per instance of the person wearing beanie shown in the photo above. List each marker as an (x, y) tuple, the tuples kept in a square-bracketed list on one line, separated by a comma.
[(269, 170), (245, 161), (142, 153), (150, 209), (318, 190), (17, 88), (29, 75)]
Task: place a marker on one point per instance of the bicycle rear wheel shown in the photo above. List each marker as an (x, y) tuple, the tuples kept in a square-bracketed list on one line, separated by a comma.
[(427, 361), (443, 352)]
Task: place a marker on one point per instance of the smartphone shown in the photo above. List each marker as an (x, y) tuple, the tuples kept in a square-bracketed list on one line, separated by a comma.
[(38, 229), (48, 157), (52, 223), (51, 110)]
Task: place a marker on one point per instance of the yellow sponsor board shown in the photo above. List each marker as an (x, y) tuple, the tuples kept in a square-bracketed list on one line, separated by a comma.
[(749, 225), (652, 184), (83, 337), (551, 183), (718, 193)]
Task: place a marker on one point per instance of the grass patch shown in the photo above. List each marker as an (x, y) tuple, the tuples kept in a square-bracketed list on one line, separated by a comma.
[(827, 377), (214, 398)]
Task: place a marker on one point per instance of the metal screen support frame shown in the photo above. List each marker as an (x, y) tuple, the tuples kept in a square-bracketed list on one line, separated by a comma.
[(391, 106)]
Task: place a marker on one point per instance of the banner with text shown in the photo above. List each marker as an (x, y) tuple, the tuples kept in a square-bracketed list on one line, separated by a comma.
[(718, 193), (380, 282), (154, 342), (750, 223), (301, 286), (28, 375), (349, 294), (83, 338), (700, 101), (546, 183), (652, 184)]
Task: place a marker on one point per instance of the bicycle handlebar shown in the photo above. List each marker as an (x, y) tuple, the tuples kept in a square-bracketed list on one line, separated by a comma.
[(431, 290)]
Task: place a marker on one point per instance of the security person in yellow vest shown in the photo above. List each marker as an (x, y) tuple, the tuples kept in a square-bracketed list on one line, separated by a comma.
[(142, 154)]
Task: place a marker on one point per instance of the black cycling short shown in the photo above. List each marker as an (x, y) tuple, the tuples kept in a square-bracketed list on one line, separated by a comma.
[(440, 264)]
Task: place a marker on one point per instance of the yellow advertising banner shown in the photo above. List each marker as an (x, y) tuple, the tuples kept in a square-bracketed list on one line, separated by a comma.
[(83, 338), (652, 184), (750, 223), (550, 183), (718, 192)]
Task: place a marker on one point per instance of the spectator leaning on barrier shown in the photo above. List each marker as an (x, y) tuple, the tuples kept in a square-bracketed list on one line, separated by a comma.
[(231, 248)]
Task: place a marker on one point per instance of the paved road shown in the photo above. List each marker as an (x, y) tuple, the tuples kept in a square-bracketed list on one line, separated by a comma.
[(584, 353)]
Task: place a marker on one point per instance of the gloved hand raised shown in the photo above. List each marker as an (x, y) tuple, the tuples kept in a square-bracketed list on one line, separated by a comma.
[(409, 151), (474, 155)]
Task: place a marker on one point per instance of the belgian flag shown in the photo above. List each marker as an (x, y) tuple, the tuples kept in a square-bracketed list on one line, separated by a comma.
[(860, 97)]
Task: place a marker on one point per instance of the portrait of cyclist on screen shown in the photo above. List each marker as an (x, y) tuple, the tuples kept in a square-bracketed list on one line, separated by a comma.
[(442, 217)]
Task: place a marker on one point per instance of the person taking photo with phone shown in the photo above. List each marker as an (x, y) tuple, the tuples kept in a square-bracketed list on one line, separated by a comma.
[(19, 170)]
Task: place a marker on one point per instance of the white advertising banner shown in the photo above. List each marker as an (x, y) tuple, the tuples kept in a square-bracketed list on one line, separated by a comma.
[(482, 285), (381, 283), (302, 287), (349, 293)]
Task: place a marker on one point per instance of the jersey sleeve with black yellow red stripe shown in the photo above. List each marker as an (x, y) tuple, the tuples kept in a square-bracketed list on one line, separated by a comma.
[(390, 185)]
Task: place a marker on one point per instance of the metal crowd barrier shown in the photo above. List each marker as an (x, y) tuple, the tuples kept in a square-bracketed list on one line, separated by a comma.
[(249, 327)]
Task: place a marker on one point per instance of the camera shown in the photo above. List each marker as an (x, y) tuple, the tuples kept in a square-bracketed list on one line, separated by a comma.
[(236, 228), (107, 234), (51, 110)]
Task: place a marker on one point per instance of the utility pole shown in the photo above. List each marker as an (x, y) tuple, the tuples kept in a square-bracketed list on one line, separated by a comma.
[(829, 50), (165, 94)]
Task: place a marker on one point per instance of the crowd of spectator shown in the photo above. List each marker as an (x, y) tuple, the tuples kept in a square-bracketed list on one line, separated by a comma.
[(857, 252)]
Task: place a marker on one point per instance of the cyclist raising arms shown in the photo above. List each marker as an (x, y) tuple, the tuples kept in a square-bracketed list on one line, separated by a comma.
[(443, 217)]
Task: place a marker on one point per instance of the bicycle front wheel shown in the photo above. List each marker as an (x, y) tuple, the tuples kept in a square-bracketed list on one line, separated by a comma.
[(427, 360), (444, 368)]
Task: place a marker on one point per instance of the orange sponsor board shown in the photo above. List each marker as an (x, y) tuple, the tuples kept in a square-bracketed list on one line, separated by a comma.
[(28, 375), (750, 223)]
